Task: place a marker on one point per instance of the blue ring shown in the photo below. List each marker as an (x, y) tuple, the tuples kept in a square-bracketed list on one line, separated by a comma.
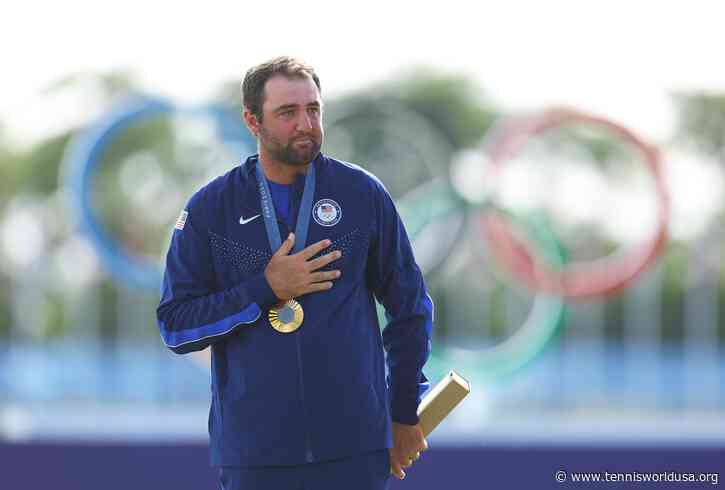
[(84, 156)]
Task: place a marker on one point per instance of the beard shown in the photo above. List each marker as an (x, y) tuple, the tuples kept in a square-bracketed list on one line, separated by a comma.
[(291, 153)]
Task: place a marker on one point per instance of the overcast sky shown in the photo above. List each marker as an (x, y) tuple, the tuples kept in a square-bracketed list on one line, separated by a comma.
[(618, 58)]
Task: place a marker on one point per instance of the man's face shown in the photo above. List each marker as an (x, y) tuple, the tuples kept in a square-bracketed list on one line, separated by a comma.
[(291, 129)]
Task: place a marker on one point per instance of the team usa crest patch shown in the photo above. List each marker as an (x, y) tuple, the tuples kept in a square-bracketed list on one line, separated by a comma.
[(181, 221), (327, 212)]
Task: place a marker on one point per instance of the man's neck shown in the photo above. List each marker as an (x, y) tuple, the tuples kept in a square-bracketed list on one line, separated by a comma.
[(281, 173)]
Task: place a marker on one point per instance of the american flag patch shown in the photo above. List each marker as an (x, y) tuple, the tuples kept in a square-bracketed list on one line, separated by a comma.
[(181, 221)]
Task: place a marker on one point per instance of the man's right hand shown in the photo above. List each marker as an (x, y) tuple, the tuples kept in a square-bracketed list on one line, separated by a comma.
[(291, 276)]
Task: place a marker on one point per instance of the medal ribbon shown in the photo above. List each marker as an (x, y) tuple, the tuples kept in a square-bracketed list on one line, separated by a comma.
[(270, 215)]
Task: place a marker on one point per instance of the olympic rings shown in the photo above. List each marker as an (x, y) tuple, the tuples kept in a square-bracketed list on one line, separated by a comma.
[(83, 159), (577, 281), (436, 218), (544, 321), (439, 202)]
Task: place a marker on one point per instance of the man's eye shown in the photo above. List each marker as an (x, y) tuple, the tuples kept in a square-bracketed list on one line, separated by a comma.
[(286, 113)]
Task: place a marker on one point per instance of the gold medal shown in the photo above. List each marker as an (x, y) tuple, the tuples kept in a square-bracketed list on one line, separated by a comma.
[(287, 317)]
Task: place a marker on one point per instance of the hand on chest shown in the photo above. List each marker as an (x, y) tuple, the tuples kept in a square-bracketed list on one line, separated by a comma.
[(242, 248)]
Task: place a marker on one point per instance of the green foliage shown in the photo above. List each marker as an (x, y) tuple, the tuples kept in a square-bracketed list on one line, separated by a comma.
[(701, 121), (674, 264), (113, 84), (614, 318), (55, 324), (10, 172), (39, 167), (721, 310), (109, 309), (5, 306), (35, 169), (453, 103)]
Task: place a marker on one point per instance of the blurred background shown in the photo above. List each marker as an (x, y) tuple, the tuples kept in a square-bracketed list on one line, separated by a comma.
[(111, 116)]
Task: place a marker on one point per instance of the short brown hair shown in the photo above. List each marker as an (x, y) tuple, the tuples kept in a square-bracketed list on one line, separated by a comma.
[(257, 76)]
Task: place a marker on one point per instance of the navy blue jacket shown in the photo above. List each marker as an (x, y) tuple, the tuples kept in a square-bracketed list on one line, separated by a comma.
[(321, 392)]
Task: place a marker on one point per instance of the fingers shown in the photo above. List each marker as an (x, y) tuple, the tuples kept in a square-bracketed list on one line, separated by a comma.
[(409, 460), (324, 276), (287, 245), (317, 286), (298, 272), (324, 260), (399, 462), (396, 470), (314, 249)]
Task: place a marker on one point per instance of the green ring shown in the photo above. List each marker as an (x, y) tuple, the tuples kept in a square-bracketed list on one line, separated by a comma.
[(437, 201), (431, 204)]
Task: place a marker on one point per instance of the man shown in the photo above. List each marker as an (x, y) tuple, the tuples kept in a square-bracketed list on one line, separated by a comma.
[(299, 391)]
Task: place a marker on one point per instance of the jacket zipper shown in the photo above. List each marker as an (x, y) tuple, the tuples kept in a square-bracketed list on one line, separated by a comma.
[(308, 450), (309, 457)]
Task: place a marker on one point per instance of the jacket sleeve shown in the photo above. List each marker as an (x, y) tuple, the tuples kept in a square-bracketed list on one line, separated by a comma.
[(192, 313), (398, 284)]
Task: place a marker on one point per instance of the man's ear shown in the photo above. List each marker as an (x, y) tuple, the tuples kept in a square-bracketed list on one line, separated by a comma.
[(251, 121)]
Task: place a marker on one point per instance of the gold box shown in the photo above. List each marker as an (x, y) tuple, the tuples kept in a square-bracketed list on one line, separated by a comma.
[(441, 400)]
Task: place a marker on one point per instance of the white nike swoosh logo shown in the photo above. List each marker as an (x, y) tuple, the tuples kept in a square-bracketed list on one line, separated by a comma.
[(243, 221)]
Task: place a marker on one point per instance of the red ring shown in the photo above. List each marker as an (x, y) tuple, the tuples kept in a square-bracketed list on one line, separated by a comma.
[(585, 280)]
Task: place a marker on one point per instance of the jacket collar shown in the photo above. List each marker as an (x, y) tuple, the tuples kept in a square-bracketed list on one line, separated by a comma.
[(250, 194)]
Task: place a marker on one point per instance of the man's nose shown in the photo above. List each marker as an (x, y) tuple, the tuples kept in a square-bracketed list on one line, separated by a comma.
[(304, 122)]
